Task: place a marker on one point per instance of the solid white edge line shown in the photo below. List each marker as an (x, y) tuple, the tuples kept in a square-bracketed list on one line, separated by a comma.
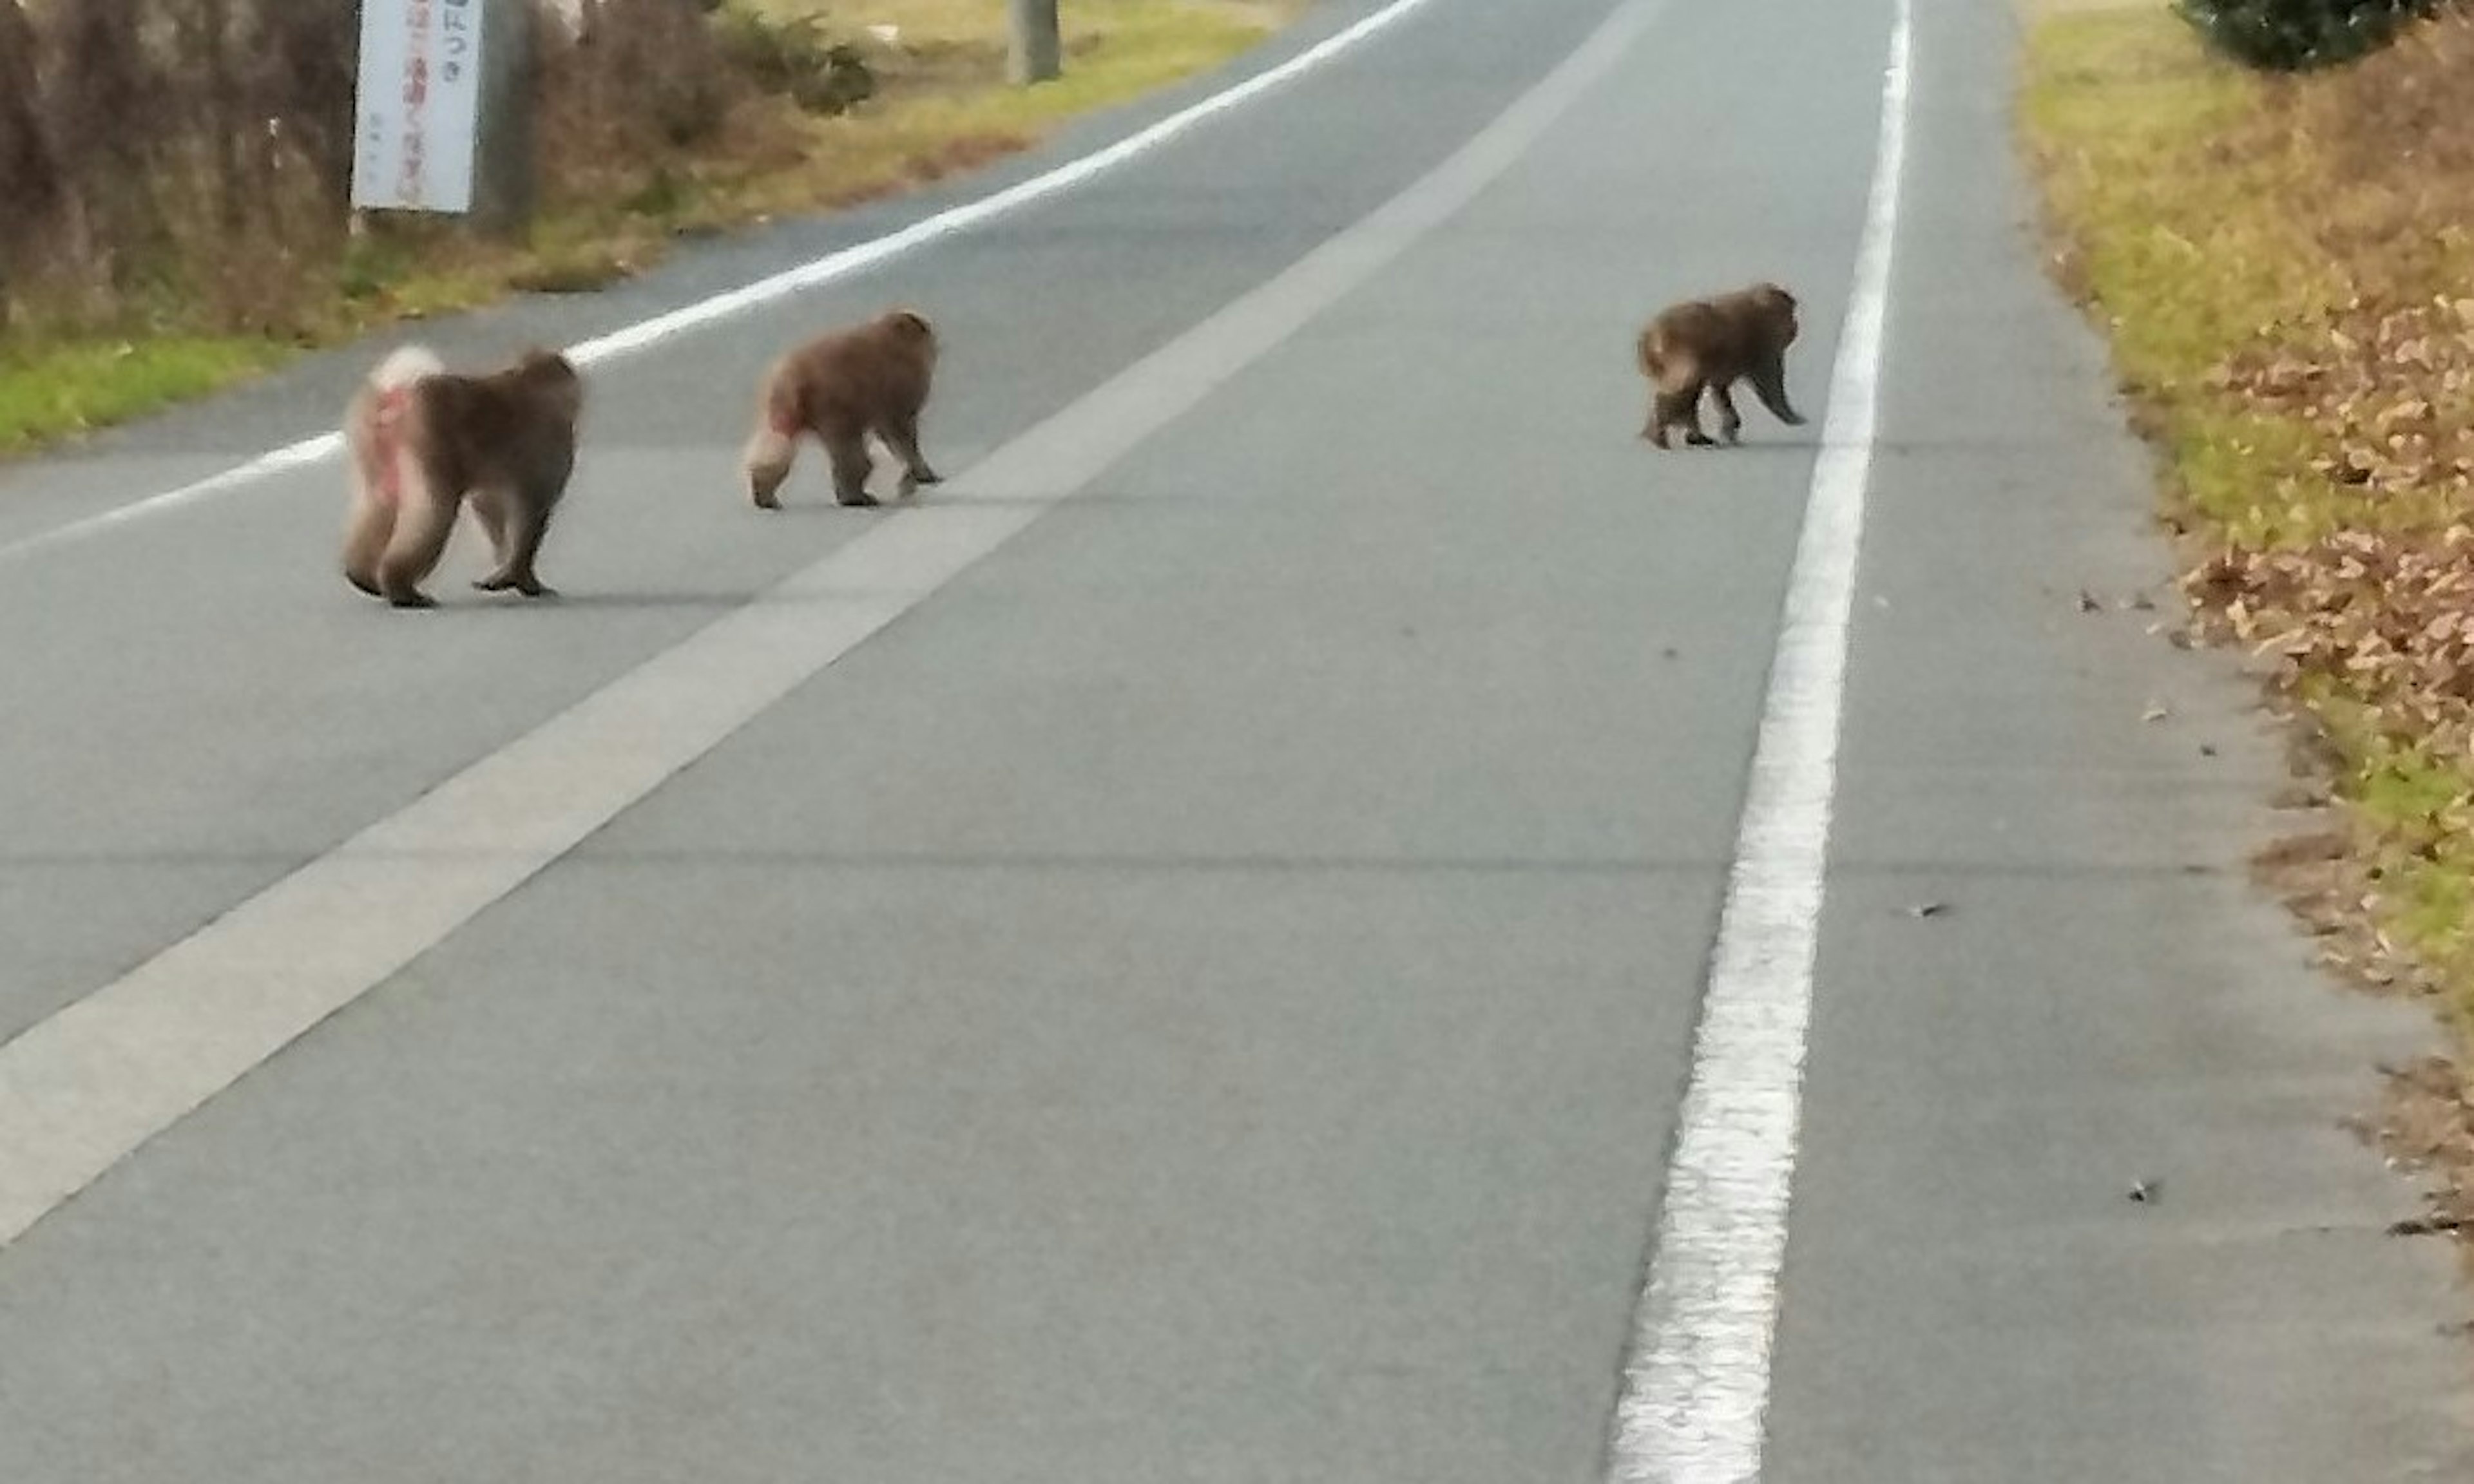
[(1696, 1386), (88, 1084), (622, 342)]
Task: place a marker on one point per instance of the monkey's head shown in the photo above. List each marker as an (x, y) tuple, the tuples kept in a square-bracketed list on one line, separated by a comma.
[(1778, 306), (555, 377), (910, 327)]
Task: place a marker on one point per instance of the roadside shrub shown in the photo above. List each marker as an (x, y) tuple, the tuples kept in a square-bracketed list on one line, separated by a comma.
[(306, 65), (2290, 35), (642, 77), (186, 164), (795, 59)]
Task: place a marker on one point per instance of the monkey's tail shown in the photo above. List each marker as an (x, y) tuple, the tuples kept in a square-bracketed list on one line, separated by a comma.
[(785, 404), (768, 459), (391, 380), (406, 365), (781, 416), (774, 444), (1651, 349)]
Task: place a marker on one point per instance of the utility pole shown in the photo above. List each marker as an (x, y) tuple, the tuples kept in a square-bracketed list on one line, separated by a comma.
[(1036, 55), (503, 177)]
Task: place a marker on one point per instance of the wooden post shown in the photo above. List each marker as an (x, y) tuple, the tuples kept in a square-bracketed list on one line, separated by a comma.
[(505, 166), (1037, 53)]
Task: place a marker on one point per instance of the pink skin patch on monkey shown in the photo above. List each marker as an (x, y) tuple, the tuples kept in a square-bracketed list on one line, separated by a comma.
[(383, 427)]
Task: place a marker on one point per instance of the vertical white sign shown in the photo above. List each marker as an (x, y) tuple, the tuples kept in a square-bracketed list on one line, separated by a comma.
[(419, 104)]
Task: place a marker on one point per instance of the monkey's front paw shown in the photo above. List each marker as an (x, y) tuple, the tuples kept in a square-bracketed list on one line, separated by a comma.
[(859, 501), (1700, 440), (526, 587), (1793, 420), (768, 501), (926, 476), (411, 600)]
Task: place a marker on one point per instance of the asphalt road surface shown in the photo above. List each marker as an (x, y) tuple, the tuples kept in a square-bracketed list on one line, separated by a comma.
[(1188, 955)]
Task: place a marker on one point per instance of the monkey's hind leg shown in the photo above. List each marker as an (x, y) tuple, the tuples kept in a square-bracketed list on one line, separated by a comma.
[(1730, 424), (372, 519), (366, 533), (423, 524), (766, 463), (1678, 408), (847, 448), (1675, 409)]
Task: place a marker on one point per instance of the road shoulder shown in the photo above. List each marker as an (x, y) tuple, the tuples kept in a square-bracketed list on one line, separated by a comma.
[(2077, 1201)]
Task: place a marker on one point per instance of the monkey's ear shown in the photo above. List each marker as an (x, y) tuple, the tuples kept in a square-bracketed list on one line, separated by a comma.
[(914, 322)]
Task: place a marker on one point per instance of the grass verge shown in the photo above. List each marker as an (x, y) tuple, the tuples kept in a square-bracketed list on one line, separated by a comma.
[(941, 106), (2280, 267), (48, 388)]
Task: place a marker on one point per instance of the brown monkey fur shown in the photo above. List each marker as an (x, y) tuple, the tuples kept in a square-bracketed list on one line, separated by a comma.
[(1712, 343), (423, 440), (840, 387)]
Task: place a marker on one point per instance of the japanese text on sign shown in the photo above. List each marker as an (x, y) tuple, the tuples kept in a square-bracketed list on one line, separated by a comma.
[(419, 104)]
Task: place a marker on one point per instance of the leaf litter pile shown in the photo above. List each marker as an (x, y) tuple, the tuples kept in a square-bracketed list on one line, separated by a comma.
[(2302, 345)]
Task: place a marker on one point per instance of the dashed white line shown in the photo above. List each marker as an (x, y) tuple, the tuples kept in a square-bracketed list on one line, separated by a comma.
[(1696, 1390)]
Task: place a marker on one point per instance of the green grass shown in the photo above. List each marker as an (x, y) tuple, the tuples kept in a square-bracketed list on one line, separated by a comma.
[(2418, 843), (51, 387), (2166, 239), (2189, 205)]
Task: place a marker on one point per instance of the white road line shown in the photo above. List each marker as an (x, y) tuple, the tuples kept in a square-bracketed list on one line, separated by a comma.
[(1697, 1387), (832, 268), (85, 1087)]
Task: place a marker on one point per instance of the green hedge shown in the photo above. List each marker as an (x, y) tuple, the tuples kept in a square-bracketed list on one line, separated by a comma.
[(2290, 35)]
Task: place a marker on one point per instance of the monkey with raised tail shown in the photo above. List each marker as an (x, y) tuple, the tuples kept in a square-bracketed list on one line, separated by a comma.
[(839, 388), (1709, 345), (423, 439)]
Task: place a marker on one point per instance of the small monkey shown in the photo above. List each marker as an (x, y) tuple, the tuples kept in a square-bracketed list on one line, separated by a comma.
[(1713, 344), (422, 440), (840, 387)]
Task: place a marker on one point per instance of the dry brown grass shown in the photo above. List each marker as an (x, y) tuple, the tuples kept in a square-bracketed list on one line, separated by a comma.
[(176, 210), (2285, 266)]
